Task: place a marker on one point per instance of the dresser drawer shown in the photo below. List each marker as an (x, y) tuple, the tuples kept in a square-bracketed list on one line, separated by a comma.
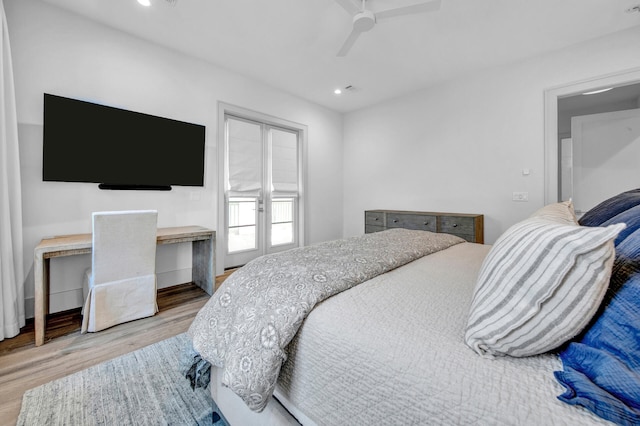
[(374, 218), (412, 221), (457, 225), (373, 228), (468, 237)]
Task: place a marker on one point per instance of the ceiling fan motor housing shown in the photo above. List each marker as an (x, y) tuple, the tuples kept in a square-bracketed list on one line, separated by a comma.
[(364, 21)]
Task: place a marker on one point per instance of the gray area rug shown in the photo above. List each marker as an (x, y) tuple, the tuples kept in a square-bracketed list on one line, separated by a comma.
[(144, 387)]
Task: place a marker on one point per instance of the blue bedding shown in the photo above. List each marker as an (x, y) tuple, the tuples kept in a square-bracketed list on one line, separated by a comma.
[(601, 368), (602, 372)]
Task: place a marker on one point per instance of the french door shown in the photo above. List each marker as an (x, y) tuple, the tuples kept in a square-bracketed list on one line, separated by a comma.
[(262, 189)]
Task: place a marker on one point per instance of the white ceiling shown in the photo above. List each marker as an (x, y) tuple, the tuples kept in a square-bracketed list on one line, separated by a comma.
[(292, 44)]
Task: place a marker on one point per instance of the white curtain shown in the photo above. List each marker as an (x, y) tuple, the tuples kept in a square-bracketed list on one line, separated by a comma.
[(11, 267)]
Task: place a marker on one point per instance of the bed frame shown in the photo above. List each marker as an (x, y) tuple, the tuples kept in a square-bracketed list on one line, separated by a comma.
[(279, 411)]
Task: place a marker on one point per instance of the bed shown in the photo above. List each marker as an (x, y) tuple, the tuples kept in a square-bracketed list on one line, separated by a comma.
[(421, 338)]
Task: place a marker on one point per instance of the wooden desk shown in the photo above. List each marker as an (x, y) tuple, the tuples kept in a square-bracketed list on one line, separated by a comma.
[(203, 249)]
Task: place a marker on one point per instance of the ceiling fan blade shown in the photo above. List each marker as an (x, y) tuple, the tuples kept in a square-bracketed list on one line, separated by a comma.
[(407, 10), (349, 42), (350, 6)]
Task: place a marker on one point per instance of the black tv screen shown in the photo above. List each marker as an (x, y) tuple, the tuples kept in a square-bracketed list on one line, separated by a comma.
[(117, 148)]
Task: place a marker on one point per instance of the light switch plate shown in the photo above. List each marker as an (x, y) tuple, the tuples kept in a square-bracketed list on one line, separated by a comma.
[(520, 196)]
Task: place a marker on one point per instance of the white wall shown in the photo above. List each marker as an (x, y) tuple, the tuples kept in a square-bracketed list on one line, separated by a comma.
[(462, 146), (61, 53)]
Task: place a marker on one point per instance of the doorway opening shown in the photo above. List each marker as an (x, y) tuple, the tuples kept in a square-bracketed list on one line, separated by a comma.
[(563, 103)]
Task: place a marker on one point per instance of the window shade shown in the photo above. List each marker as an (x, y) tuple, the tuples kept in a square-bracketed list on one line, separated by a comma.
[(244, 158), (284, 161)]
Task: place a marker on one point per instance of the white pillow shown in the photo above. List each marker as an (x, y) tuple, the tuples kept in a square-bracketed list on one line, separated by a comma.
[(540, 284), (558, 212)]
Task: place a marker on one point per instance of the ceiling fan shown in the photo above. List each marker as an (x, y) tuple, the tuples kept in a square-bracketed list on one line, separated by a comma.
[(364, 20)]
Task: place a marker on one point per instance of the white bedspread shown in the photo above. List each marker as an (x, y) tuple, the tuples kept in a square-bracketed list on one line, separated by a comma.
[(248, 323), (391, 351)]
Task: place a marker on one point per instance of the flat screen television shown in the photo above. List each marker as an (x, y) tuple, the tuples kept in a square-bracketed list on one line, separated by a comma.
[(117, 148)]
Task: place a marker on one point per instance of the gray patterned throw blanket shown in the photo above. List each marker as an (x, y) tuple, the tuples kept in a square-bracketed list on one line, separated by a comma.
[(246, 325)]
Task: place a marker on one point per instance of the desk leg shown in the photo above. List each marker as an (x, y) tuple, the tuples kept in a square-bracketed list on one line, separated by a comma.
[(41, 274), (203, 255)]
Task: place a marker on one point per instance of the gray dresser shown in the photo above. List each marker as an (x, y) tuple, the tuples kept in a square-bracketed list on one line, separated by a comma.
[(467, 226)]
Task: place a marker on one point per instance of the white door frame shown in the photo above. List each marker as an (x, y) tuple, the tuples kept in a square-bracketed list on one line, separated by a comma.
[(225, 108)]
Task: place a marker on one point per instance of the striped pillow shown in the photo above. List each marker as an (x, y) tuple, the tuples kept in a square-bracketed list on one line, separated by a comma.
[(539, 286)]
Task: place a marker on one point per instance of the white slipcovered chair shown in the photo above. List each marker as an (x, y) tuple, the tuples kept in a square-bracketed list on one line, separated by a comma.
[(121, 284)]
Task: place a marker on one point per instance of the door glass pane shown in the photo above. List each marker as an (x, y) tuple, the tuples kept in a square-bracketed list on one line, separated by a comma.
[(282, 221), (242, 224)]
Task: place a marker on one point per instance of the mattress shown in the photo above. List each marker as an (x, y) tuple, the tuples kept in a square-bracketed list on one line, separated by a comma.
[(391, 351)]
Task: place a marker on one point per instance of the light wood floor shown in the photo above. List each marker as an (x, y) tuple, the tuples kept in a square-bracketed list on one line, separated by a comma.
[(24, 366)]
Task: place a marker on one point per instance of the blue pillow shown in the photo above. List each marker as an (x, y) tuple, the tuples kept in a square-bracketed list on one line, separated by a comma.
[(610, 208), (602, 367), (631, 217)]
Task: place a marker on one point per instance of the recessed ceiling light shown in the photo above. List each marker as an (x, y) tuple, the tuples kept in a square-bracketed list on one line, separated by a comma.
[(598, 91), (341, 90), (145, 2)]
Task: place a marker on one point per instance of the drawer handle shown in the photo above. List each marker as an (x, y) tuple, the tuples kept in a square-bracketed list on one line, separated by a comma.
[(376, 218), (395, 220), (455, 225), (426, 223)]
